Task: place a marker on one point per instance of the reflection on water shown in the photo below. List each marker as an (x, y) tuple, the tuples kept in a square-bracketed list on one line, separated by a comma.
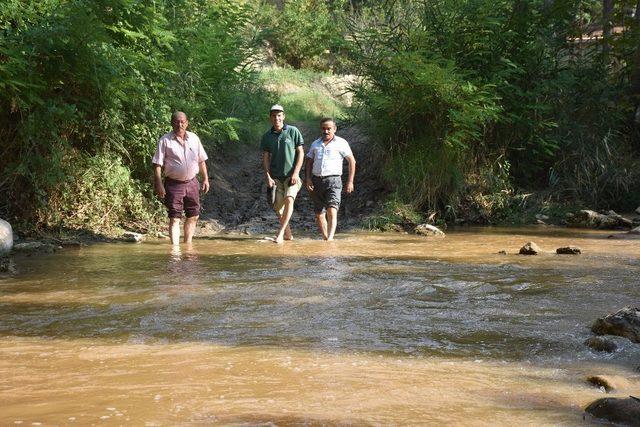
[(312, 331)]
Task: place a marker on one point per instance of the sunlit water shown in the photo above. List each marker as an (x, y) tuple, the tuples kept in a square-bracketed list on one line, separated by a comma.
[(370, 329)]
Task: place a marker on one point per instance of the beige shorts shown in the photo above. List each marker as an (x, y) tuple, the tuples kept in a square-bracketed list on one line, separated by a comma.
[(284, 190)]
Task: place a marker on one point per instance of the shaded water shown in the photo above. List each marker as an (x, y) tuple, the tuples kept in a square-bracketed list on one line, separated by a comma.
[(369, 329)]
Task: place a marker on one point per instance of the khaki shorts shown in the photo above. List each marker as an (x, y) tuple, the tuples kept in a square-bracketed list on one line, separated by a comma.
[(284, 190)]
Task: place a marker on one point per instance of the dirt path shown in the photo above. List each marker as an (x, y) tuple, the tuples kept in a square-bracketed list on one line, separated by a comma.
[(237, 203)]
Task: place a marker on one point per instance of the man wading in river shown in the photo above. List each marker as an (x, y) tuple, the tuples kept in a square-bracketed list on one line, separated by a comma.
[(181, 155), (282, 154), (324, 162)]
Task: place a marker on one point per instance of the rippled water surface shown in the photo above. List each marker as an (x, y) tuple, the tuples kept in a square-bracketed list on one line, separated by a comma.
[(369, 329)]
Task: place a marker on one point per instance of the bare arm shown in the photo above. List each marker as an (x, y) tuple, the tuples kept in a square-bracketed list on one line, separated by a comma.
[(352, 173), (157, 181), (308, 167), (205, 176), (298, 165), (266, 159)]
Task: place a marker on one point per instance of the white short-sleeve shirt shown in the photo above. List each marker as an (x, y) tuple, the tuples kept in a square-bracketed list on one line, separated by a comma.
[(327, 158), (180, 162)]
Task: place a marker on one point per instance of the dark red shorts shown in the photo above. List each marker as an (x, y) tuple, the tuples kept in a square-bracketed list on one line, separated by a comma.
[(182, 196)]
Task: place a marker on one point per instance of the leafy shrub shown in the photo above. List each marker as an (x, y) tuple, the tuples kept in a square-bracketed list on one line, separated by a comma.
[(305, 33), (88, 80)]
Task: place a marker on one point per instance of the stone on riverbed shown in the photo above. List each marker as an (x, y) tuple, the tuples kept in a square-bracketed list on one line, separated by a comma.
[(428, 230), (35, 246), (7, 265), (623, 411), (569, 250), (6, 237), (590, 219), (601, 344), (530, 248), (608, 382), (130, 236), (624, 323)]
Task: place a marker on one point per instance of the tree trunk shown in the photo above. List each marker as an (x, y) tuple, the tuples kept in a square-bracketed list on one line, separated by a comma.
[(607, 25)]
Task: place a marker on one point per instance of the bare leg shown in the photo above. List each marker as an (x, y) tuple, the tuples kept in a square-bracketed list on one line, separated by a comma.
[(190, 228), (332, 220), (174, 230), (321, 219), (284, 221)]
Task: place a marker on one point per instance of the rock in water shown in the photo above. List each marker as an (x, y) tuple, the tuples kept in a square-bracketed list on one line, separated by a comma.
[(428, 230), (6, 237), (608, 382), (624, 323), (623, 411), (35, 246), (569, 250), (530, 248), (7, 265), (590, 219), (635, 231), (130, 236), (601, 344)]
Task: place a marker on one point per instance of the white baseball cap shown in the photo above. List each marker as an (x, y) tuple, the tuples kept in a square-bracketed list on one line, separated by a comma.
[(276, 107)]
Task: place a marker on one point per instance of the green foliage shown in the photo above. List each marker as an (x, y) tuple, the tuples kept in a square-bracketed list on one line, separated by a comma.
[(305, 33), (395, 216), (451, 88), (305, 94), (98, 80), (99, 194)]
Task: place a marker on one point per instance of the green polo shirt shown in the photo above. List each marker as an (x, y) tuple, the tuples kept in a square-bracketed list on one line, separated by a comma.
[(282, 147)]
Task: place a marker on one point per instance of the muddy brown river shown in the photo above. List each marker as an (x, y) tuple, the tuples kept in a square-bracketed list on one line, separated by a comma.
[(372, 329)]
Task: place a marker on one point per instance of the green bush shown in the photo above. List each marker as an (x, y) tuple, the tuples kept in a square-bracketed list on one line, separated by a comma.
[(451, 88), (99, 79), (305, 33)]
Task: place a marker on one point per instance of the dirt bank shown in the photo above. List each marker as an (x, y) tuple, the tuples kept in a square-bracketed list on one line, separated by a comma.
[(236, 202)]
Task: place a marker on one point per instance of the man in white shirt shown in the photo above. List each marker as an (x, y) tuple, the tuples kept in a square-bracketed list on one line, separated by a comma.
[(324, 175), (181, 156)]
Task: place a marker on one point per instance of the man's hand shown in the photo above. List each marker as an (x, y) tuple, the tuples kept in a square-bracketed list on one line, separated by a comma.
[(270, 182), (349, 187), (159, 187), (294, 179), (309, 185), (205, 186)]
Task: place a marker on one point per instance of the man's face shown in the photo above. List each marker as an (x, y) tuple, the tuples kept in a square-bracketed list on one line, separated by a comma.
[(277, 119), (180, 124), (328, 130)]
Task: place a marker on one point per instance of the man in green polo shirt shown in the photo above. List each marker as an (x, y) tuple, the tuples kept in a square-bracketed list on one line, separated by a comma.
[(282, 156)]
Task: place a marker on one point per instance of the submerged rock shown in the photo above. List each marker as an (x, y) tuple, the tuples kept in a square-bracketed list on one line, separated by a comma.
[(623, 411), (601, 344), (6, 237), (569, 250), (502, 252), (591, 219), (130, 236), (530, 248), (429, 230), (33, 247), (7, 265), (608, 382), (624, 323)]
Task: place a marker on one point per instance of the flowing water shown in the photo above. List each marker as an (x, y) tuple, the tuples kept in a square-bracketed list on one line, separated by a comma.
[(370, 329)]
